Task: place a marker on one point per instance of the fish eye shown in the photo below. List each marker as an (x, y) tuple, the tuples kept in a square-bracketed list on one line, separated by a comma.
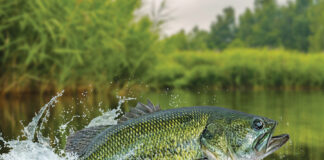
[(257, 124)]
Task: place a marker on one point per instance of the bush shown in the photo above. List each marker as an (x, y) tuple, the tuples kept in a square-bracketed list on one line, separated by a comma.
[(247, 68), (71, 43)]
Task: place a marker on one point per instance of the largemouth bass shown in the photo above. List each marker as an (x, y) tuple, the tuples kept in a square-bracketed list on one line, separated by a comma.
[(200, 132)]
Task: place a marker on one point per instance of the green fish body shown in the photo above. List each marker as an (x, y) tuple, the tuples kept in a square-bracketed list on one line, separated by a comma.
[(183, 133)]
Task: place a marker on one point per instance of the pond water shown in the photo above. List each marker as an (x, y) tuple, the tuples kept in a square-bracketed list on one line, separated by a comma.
[(299, 113)]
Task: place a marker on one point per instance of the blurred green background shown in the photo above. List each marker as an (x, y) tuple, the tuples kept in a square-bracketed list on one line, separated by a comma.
[(50, 45), (106, 48)]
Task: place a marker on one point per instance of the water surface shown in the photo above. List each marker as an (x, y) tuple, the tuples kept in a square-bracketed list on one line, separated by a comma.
[(299, 113)]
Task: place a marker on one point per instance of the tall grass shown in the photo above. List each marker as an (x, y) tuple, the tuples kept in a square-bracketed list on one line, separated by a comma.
[(54, 44), (239, 68), (51, 44)]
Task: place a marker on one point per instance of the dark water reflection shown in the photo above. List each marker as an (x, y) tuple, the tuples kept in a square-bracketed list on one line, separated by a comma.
[(300, 114)]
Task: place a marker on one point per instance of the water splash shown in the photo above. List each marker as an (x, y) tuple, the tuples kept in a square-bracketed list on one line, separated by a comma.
[(110, 117), (175, 100), (1, 140), (29, 148), (63, 127), (31, 128)]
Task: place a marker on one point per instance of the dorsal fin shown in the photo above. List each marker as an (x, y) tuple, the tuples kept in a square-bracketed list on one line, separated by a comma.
[(78, 141), (140, 110)]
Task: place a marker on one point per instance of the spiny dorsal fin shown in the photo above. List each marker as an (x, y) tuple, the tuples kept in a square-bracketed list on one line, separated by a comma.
[(140, 110), (78, 141)]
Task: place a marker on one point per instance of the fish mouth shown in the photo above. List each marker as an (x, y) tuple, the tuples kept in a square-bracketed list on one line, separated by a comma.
[(275, 143), (267, 147), (267, 144)]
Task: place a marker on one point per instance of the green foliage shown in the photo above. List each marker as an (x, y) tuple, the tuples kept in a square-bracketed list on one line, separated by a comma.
[(264, 30), (197, 39), (48, 45), (194, 40), (175, 42), (295, 26), (275, 26), (317, 19), (73, 42), (237, 68), (222, 32)]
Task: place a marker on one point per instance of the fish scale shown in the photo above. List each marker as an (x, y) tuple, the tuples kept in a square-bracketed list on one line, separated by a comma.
[(177, 134), (199, 132)]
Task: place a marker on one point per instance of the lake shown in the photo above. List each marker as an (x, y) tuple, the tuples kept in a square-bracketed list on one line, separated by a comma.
[(299, 113)]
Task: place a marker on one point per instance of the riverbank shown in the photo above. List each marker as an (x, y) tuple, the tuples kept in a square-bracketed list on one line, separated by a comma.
[(240, 68), (243, 68)]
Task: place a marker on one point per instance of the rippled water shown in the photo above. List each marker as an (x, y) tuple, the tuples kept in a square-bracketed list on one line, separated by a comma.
[(43, 136)]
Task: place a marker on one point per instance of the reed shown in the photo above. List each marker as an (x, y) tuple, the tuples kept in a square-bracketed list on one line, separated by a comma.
[(45, 45)]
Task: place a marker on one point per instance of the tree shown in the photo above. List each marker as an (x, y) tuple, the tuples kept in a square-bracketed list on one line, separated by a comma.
[(316, 14), (178, 41), (273, 26), (295, 25), (223, 30), (265, 29), (244, 30), (197, 39)]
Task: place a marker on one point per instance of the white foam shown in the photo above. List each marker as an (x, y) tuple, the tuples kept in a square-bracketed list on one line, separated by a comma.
[(25, 147), (110, 117)]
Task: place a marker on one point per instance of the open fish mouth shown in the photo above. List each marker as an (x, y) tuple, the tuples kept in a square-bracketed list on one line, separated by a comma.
[(267, 144), (276, 142)]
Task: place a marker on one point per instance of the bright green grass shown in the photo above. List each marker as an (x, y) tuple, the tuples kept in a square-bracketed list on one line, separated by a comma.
[(236, 68)]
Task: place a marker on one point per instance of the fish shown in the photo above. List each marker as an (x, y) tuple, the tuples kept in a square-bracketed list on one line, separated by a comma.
[(197, 133)]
